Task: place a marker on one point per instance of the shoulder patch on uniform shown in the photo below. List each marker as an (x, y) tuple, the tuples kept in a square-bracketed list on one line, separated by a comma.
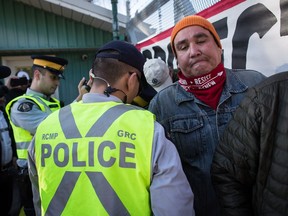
[(25, 107)]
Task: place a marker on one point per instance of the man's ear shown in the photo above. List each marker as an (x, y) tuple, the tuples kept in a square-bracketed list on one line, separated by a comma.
[(91, 74), (132, 81), (36, 74)]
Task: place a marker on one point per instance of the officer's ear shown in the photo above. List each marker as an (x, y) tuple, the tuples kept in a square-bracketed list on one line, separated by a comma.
[(37, 74), (133, 81)]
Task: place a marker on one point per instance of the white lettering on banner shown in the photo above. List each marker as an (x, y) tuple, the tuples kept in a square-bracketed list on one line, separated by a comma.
[(253, 36)]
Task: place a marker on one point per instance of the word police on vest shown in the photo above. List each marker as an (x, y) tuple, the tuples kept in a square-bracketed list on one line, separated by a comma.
[(64, 154)]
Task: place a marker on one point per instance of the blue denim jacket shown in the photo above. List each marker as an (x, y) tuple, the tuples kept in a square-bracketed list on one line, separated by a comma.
[(195, 129)]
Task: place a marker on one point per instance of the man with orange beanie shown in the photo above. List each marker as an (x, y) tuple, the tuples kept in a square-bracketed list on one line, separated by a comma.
[(195, 110)]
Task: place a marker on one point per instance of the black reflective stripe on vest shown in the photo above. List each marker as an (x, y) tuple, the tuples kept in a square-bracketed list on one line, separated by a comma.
[(63, 193), (98, 129), (53, 106)]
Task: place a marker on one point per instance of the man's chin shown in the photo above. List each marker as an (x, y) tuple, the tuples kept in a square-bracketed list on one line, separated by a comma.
[(200, 71), (50, 93)]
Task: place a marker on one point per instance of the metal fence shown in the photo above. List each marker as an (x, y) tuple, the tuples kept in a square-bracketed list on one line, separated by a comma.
[(150, 17), (159, 15)]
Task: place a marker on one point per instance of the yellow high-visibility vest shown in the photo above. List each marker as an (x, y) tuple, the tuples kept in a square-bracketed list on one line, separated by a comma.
[(23, 137), (95, 160)]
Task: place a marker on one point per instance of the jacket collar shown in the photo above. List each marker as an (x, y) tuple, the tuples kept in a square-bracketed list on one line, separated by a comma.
[(31, 92)]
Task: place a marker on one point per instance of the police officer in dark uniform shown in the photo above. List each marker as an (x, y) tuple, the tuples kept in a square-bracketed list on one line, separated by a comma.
[(28, 111)]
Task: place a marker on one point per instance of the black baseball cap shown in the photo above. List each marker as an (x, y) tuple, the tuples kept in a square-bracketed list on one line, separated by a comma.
[(54, 64), (126, 53)]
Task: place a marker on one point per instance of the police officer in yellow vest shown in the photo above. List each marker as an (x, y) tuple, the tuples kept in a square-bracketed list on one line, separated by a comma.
[(26, 112), (104, 156)]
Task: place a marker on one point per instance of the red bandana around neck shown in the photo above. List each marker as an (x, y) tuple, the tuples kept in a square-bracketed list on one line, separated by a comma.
[(207, 87)]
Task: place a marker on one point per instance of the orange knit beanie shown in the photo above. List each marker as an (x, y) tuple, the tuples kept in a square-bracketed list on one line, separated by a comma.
[(192, 21)]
